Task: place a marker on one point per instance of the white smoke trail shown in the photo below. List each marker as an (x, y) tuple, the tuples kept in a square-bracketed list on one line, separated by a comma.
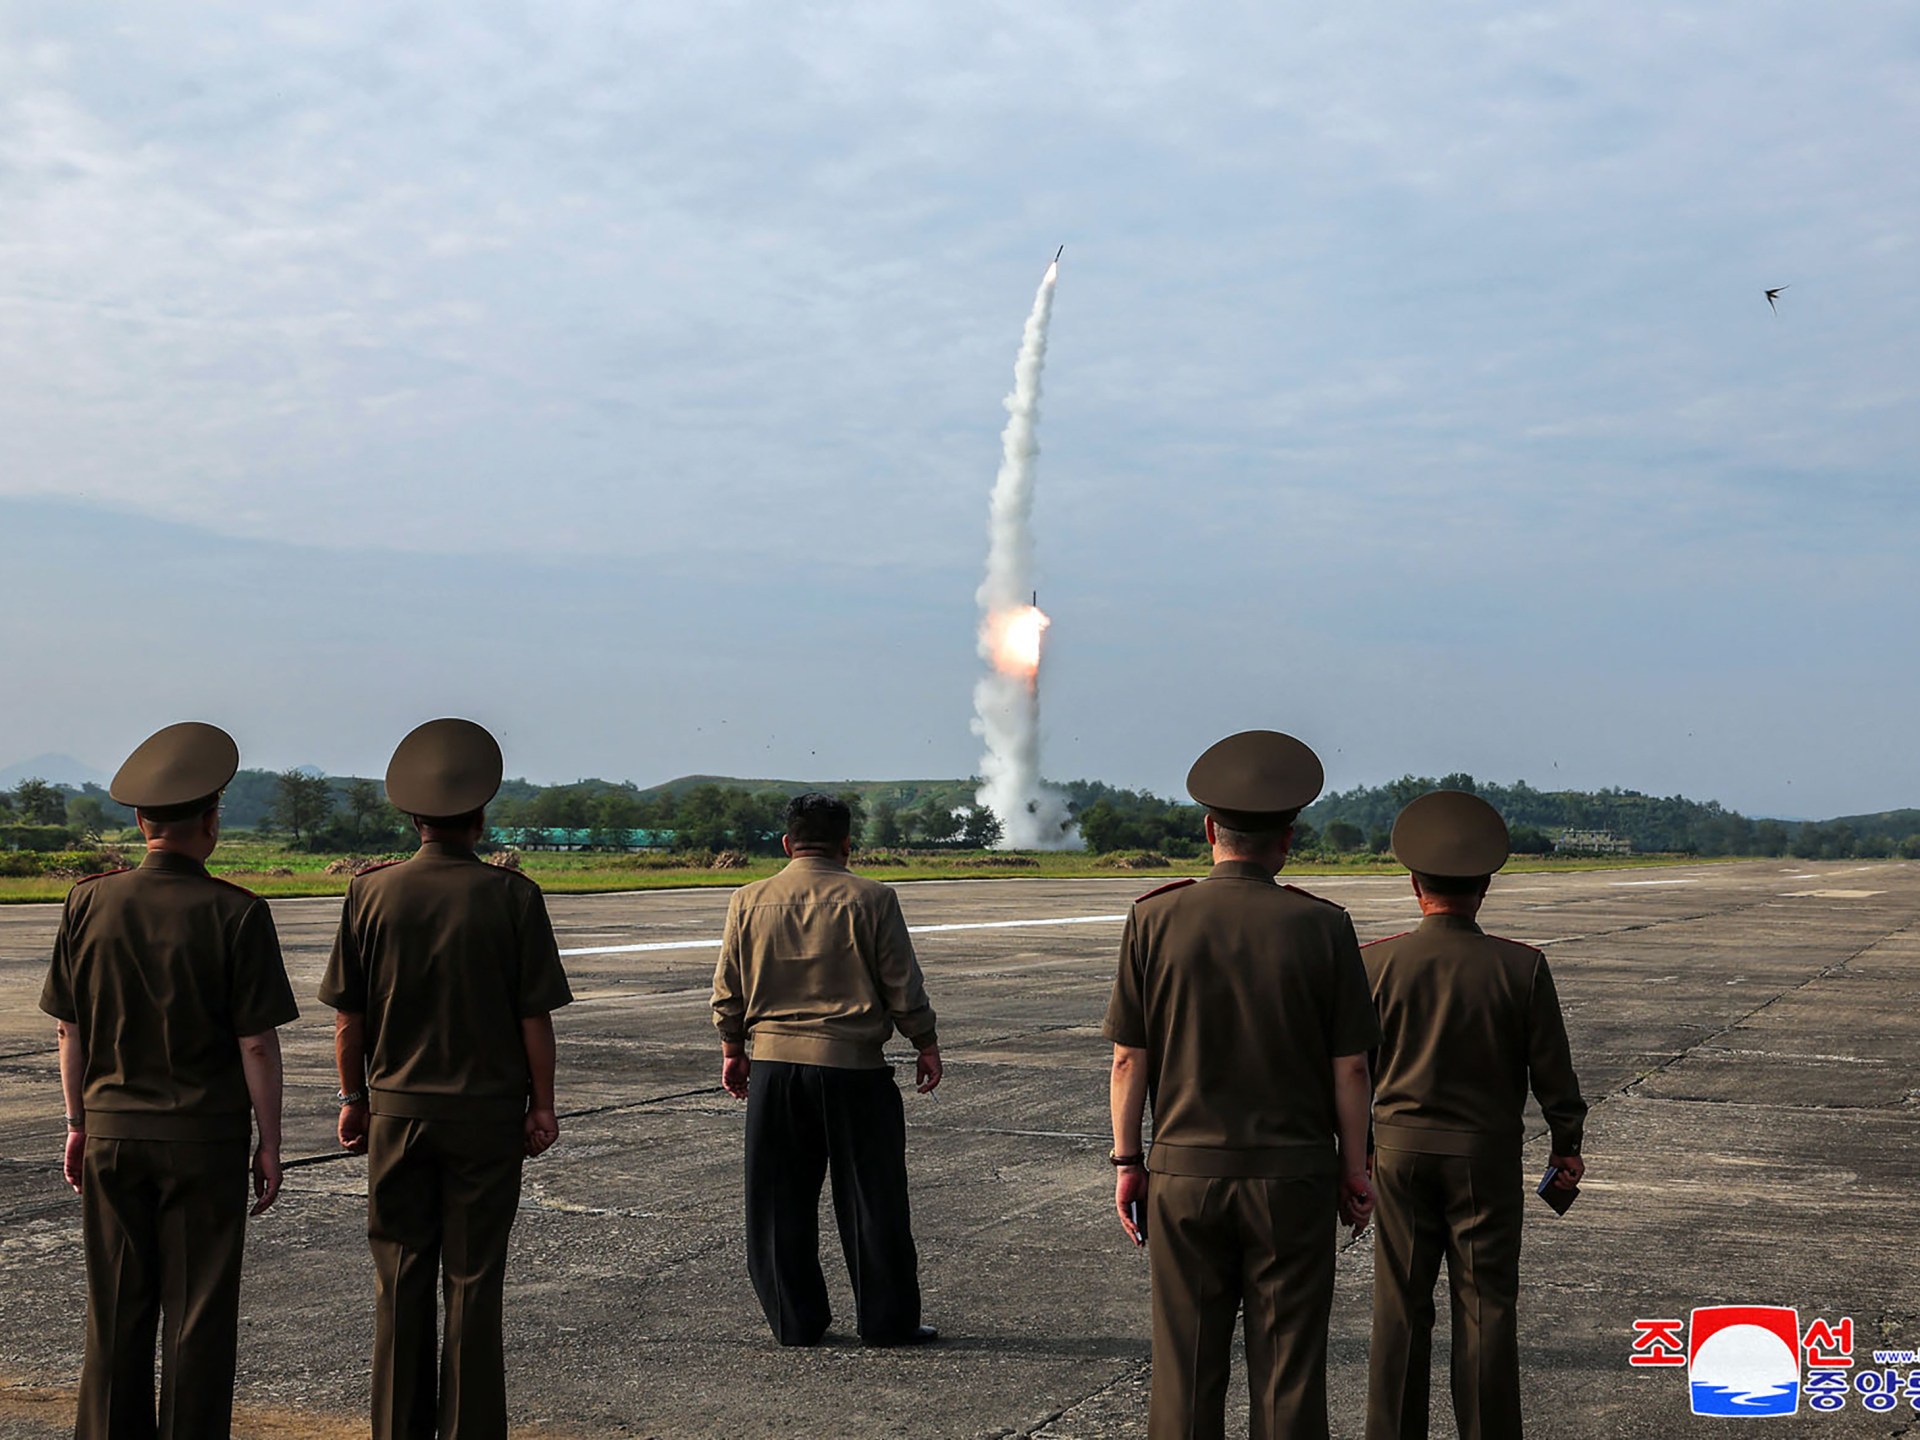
[(1006, 702)]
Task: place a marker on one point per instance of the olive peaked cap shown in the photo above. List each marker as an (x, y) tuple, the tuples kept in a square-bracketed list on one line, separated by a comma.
[(177, 766), (445, 767), (1450, 833), (1255, 780)]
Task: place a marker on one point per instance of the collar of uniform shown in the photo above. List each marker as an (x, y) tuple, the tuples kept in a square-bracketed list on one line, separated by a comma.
[(446, 851), (173, 862), (1240, 870), (816, 862), (1444, 921)]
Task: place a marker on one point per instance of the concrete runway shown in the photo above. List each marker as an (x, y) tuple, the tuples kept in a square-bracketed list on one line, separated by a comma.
[(1748, 1036)]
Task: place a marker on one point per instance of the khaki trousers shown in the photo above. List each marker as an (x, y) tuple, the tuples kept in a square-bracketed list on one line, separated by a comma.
[(441, 1196), (165, 1224), (1214, 1247), (1467, 1211)]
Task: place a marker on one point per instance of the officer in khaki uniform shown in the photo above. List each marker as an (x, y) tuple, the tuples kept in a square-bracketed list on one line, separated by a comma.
[(816, 967), (1241, 1009), (167, 985), (1468, 1021), (444, 973)]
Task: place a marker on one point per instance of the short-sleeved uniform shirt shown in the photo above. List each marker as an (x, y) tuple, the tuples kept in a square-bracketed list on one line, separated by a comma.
[(162, 969), (1241, 992), (445, 955), (1468, 1022)]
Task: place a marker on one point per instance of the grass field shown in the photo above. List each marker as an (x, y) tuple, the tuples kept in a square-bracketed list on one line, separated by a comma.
[(269, 868)]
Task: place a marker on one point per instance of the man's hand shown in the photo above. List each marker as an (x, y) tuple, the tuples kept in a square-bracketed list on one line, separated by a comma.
[(543, 1128), (1572, 1170), (70, 1166), (927, 1070), (266, 1177), (1356, 1200), (1129, 1189), (733, 1075), (353, 1128)]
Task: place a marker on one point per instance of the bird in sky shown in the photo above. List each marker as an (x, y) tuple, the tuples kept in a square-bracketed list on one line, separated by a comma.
[(1773, 295)]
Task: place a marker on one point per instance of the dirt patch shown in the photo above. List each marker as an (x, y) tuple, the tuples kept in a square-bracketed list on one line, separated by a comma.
[(28, 1412)]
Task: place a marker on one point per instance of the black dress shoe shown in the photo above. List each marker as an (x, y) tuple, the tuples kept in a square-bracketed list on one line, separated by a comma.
[(919, 1335)]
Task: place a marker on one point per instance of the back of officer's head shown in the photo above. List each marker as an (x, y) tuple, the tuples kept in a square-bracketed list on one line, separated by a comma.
[(1453, 887), (1253, 837), (169, 822), (816, 820)]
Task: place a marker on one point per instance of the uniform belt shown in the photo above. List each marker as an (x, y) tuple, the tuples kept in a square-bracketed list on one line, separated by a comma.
[(1270, 1162), (168, 1125), (419, 1105), (1426, 1141)]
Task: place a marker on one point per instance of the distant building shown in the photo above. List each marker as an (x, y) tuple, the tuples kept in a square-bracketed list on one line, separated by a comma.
[(1591, 842), (551, 837)]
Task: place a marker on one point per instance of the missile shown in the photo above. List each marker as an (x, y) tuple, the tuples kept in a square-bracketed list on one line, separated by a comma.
[(1063, 250), (1036, 597)]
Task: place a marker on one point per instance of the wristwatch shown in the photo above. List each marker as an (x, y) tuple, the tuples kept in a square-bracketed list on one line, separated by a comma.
[(76, 1122), (1125, 1162), (358, 1097)]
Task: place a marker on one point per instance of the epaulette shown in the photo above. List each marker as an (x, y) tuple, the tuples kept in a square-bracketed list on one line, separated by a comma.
[(231, 885), (1164, 889), (102, 874), (1384, 938), (377, 865), (1309, 895)]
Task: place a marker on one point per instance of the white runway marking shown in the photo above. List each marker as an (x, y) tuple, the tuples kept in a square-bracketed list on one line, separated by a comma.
[(714, 942), (1829, 894), (1619, 883)]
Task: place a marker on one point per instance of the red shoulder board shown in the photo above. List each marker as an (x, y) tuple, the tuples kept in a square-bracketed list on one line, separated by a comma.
[(377, 865), (102, 874), (1384, 938), (1309, 895), (1164, 889), (232, 885)]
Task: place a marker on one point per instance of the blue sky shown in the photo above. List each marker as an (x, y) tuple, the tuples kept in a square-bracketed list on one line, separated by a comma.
[(629, 378)]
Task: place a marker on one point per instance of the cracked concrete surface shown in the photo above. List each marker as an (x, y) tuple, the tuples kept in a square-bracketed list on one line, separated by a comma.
[(1747, 1034)]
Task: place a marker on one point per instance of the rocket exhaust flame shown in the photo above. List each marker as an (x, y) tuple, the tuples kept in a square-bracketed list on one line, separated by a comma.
[(1006, 701), (1012, 640)]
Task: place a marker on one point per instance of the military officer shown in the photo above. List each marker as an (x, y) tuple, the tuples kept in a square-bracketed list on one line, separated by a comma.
[(444, 975), (816, 967), (1468, 1022), (1241, 1008), (167, 985)]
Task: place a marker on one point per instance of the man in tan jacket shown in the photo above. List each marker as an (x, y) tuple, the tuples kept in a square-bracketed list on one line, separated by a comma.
[(817, 968)]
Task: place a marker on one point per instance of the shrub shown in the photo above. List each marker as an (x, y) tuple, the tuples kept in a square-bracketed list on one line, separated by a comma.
[(36, 837)]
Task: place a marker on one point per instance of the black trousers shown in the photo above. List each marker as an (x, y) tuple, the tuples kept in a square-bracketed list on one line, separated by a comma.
[(802, 1121), (165, 1223)]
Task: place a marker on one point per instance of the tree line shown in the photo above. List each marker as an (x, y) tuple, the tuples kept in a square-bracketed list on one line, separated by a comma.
[(346, 813)]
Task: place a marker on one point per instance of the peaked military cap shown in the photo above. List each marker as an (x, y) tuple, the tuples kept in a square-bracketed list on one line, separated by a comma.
[(1452, 834), (1255, 780), (177, 767), (444, 767)]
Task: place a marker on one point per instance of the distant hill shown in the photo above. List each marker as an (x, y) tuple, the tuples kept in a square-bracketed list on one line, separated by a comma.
[(1887, 824), (55, 770)]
